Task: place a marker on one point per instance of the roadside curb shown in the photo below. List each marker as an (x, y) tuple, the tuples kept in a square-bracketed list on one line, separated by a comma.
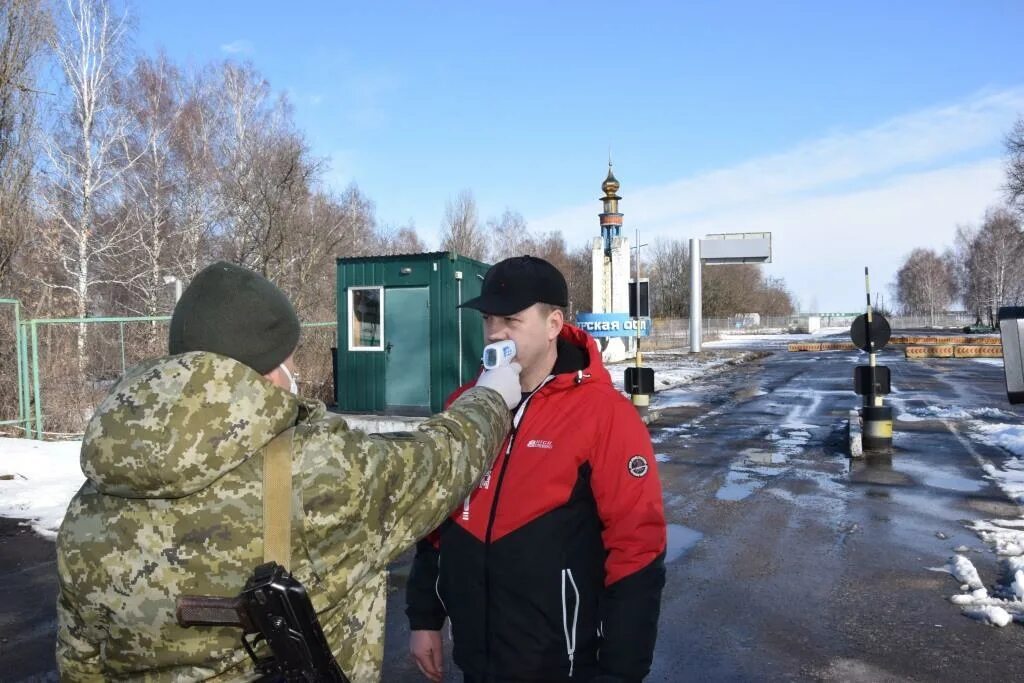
[(853, 428)]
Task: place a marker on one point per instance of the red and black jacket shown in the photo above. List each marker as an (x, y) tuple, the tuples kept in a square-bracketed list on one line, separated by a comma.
[(552, 569)]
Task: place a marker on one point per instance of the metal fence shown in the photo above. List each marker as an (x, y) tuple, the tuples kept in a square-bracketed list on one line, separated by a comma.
[(44, 393), (675, 332), (54, 396), (14, 398)]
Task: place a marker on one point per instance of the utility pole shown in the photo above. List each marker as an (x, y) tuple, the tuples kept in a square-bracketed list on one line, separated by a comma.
[(639, 381), (639, 359)]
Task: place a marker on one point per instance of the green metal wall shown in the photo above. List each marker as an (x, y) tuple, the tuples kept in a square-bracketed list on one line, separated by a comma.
[(361, 374)]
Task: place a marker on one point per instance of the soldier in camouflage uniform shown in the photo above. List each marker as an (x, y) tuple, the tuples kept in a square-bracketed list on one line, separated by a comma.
[(173, 500)]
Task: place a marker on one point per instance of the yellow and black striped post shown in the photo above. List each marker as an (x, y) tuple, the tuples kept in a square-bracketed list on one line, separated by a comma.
[(875, 415)]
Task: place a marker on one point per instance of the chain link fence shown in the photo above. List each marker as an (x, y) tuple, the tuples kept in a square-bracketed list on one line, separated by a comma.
[(63, 393), (670, 333), (44, 393)]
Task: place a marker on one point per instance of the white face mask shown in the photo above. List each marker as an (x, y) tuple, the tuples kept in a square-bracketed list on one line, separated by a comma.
[(294, 387)]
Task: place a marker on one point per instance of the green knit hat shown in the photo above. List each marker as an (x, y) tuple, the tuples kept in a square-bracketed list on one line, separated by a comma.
[(237, 313)]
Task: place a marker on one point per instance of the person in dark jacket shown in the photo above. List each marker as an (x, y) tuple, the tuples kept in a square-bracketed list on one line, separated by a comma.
[(552, 569)]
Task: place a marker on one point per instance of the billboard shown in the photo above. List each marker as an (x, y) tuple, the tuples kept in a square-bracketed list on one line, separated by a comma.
[(612, 325), (737, 247)]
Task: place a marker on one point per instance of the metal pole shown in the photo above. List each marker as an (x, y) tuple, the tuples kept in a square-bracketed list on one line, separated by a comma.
[(458, 280), (23, 377), (695, 296), (638, 357), (872, 358), (123, 364), (35, 381), (19, 364), (17, 354)]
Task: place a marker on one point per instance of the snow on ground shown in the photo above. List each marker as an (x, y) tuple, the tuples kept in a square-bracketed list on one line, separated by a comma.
[(736, 340), (676, 368), (993, 427), (37, 481), (39, 478)]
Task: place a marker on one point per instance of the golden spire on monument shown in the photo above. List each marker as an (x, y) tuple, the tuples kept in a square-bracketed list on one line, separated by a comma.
[(610, 184)]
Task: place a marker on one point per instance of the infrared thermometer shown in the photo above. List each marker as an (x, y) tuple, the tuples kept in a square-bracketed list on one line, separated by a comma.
[(499, 353)]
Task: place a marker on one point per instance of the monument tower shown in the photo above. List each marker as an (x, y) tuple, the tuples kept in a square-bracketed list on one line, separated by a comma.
[(611, 267)]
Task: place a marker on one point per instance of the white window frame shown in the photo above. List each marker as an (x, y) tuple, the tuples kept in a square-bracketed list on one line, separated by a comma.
[(351, 347)]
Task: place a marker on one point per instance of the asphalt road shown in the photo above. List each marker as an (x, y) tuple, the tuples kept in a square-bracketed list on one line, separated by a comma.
[(811, 567), (787, 561)]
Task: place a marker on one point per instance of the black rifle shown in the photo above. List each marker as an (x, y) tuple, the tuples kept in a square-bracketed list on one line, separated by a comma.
[(273, 607)]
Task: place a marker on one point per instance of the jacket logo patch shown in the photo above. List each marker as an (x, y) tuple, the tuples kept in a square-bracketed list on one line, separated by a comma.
[(637, 466), (539, 443)]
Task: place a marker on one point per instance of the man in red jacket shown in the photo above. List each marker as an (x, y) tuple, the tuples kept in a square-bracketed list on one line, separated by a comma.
[(552, 569)]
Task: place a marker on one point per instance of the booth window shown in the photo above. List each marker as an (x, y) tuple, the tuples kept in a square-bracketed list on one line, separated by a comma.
[(366, 321)]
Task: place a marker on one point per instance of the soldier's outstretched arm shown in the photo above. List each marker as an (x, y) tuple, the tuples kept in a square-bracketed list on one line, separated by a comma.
[(377, 494)]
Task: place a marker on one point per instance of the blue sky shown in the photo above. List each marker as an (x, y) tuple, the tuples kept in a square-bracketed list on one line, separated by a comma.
[(852, 131)]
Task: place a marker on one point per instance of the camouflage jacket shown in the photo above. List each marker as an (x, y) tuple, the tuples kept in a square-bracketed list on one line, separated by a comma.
[(173, 505)]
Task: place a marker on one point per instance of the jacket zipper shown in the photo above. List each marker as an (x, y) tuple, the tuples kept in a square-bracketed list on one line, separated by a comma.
[(570, 633), (494, 513), (437, 585)]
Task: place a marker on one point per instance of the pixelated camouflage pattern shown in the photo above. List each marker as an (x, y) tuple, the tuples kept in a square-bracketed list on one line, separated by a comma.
[(173, 505)]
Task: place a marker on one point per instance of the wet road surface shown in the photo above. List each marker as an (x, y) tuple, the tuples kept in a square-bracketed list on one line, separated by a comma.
[(28, 614), (786, 562)]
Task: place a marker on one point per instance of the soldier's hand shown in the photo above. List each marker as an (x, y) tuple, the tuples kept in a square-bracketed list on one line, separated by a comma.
[(426, 650), (505, 380)]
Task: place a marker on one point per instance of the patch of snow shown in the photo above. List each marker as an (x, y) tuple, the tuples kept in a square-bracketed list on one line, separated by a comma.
[(44, 476), (1010, 437), (964, 571), (993, 615), (732, 340)]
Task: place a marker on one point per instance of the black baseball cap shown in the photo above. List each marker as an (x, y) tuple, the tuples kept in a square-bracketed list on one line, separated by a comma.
[(518, 283)]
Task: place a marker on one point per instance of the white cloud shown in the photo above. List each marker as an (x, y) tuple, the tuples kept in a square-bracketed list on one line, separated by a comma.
[(821, 244), (837, 203), (237, 47)]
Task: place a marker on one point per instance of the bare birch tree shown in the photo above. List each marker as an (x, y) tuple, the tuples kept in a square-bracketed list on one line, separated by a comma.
[(24, 31), (266, 171), (460, 228), (669, 272), (150, 95), (399, 240), (579, 280), (1015, 165), (84, 156), (925, 283), (990, 263), (329, 227), (509, 236), (197, 205)]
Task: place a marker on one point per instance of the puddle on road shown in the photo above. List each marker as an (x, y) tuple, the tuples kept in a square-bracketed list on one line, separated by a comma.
[(760, 456), (737, 486), (939, 477), (747, 393), (670, 434), (680, 539)]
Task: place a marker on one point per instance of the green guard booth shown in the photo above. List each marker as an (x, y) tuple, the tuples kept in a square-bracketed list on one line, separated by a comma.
[(403, 343)]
